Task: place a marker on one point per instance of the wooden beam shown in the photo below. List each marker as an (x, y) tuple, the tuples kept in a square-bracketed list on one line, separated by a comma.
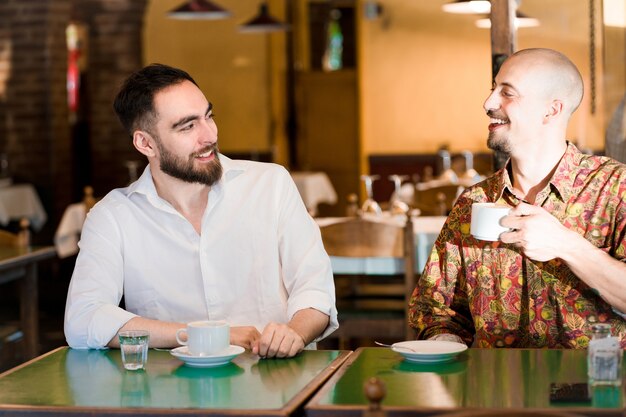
[(503, 45), (503, 32)]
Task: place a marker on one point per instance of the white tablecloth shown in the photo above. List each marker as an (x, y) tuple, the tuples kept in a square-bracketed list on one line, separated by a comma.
[(315, 188), (21, 200), (426, 230), (68, 232)]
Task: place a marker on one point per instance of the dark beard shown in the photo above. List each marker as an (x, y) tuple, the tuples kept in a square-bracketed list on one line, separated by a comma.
[(185, 171)]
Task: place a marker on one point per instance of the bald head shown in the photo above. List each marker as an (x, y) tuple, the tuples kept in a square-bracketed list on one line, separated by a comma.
[(557, 76)]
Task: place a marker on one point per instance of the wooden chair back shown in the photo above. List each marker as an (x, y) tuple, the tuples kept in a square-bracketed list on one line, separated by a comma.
[(372, 306), (21, 239), (435, 201)]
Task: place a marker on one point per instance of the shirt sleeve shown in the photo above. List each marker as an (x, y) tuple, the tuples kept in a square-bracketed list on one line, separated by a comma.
[(92, 312), (305, 265), (439, 303)]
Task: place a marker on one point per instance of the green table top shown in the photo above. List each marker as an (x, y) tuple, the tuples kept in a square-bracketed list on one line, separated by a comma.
[(479, 378), (71, 380)]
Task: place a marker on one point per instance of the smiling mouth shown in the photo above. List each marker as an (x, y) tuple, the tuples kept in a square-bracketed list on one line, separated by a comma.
[(495, 123), (205, 154), (208, 152)]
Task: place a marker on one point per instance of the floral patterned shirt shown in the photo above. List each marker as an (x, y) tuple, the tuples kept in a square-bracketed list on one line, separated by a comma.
[(490, 294)]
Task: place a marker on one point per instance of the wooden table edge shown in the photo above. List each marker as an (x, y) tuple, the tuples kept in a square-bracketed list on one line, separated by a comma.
[(300, 399), (36, 254)]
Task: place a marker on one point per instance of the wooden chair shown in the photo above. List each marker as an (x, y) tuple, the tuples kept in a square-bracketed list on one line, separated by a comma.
[(372, 305), (20, 239), (435, 201)]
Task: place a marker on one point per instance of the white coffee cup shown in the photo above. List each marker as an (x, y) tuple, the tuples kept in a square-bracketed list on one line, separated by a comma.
[(205, 338), (486, 220)]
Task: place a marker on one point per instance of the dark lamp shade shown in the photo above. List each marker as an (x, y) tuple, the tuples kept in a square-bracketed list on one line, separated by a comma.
[(263, 23), (199, 10)]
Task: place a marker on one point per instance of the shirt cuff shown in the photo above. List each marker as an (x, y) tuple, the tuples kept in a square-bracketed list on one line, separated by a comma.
[(106, 322), (619, 313), (316, 302)]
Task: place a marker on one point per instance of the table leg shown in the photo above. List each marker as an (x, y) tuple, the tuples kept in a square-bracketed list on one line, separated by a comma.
[(29, 310)]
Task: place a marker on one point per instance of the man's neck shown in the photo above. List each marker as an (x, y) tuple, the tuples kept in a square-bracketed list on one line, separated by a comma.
[(533, 168), (189, 199)]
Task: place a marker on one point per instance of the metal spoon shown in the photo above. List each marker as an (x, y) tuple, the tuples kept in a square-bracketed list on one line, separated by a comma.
[(396, 346)]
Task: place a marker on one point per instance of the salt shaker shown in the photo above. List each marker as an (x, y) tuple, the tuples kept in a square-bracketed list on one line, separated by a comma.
[(604, 357)]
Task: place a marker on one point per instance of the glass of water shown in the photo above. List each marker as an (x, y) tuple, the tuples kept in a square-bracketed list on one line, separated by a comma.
[(604, 357), (134, 348)]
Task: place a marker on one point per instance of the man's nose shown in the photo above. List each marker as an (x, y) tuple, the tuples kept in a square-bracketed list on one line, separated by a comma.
[(209, 132), (490, 102)]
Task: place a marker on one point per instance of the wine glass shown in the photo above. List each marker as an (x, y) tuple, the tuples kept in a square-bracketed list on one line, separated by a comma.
[(470, 175), (396, 205), (448, 175), (370, 205)]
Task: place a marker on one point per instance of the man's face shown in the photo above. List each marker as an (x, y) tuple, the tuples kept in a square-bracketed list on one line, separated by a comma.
[(186, 135), (515, 106)]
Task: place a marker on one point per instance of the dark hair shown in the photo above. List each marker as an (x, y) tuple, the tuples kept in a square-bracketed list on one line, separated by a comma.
[(134, 103)]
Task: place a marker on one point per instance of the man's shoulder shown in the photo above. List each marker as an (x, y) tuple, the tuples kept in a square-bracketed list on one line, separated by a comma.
[(113, 200), (594, 164)]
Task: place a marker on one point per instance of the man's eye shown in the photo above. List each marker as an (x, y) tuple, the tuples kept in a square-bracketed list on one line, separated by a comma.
[(187, 127), (210, 116)]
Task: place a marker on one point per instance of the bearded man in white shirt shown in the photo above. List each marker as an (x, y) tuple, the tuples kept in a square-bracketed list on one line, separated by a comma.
[(198, 236)]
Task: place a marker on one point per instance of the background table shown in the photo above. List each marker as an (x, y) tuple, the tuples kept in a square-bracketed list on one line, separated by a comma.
[(497, 379), (314, 188), (94, 382), (18, 201), (21, 264)]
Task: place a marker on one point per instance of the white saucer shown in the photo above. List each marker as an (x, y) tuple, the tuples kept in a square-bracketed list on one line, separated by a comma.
[(219, 359), (429, 351)]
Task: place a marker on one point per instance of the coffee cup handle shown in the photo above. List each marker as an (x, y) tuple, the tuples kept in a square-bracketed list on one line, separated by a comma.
[(178, 336)]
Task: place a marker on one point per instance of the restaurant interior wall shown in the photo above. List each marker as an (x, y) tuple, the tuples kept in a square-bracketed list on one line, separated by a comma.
[(34, 127), (231, 68), (424, 74)]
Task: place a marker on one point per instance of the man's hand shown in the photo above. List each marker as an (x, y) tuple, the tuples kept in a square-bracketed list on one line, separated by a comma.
[(278, 341), (447, 337), (244, 336), (539, 234)]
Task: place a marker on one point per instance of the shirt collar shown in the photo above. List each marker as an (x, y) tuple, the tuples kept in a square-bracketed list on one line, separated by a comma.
[(145, 184), (561, 181)]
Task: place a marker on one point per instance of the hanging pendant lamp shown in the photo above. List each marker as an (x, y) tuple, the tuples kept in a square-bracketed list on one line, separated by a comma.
[(263, 22), (199, 10)]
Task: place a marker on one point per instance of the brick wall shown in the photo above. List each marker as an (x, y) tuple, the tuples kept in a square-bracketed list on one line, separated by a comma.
[(115, 36), (35, 131)]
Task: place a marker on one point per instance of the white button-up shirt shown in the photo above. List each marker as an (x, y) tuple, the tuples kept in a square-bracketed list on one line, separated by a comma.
[(259, 258)]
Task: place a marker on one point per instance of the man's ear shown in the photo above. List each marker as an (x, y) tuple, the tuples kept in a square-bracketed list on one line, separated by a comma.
[(144, 143), (554, 110)]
